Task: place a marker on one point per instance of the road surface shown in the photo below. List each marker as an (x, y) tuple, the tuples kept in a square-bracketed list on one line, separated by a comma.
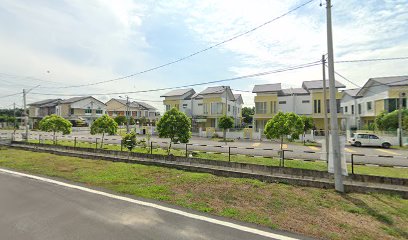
[(48, 209)]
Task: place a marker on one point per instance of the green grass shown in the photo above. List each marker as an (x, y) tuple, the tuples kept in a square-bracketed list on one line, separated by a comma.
[(309, 165), (319, 213)]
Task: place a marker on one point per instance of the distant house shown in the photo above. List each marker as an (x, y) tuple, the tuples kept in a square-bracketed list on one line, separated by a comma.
[(85, 109), (118, 107), (38, 110)]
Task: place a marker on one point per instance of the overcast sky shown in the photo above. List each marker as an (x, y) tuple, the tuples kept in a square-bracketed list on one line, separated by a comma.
[(63, 43)]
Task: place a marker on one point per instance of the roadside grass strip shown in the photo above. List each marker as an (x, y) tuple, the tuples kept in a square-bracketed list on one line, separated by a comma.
[(315, 212)]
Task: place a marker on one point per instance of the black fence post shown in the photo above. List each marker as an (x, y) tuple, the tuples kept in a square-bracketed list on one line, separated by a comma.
[(283, 158), (39, 139), (352, 164), (121, 145), (229, 154), (151, 147), (186, 150), (75, 142), (96, 143), (56, 140)]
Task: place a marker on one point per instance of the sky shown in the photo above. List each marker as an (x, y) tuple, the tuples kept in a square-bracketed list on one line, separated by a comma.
[(56, 44)]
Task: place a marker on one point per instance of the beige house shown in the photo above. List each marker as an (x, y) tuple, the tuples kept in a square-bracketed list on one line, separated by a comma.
[(85, 109), (38, 110), (118, 107)]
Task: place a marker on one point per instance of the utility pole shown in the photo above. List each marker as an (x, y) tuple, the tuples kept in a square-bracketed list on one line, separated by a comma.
[(401, 95), (326, 121), (14, 115), (92, 112), (25, 113), (127, 114), (338, 177)]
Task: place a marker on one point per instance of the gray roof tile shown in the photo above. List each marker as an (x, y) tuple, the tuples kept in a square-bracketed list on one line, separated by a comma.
[(178, 92), (318, 84), (274, 87)]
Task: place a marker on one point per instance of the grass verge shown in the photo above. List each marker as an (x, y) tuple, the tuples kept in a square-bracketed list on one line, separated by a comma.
[(316, 165), (314, 212)]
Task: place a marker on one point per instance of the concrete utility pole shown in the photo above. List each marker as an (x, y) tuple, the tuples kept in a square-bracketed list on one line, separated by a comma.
[(326, 121), (25, 113), (338, 177), (401, 96), (127, 115), (92, 112), (14, 115)]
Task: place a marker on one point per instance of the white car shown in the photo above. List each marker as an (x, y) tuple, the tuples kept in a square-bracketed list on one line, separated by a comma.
[(368, 139)]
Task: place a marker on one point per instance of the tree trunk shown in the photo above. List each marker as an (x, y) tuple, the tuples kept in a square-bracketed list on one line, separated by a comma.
[(281, 150), (168, 150), (53, 139), (225, 135), (103, 136)]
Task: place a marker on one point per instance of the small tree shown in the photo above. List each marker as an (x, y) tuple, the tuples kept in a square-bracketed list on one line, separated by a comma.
[(129, 141), (174, 125), (225, 123), (120, 120), (54, 123), (308, 124), (247, 114), (102, 125), (284, 124)]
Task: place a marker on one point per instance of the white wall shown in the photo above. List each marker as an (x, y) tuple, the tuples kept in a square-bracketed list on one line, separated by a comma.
[(295, 104)]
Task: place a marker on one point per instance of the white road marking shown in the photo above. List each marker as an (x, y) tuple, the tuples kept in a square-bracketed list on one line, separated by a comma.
[(387, 151), (153, 205)]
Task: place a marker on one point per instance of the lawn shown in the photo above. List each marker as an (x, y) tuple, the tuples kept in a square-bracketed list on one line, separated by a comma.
[(314, 212), (317, 165)]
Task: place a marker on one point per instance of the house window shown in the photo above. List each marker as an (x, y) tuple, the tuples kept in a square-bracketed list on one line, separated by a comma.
[(127, 113), (216, 108), (88, 110), (184, 105), (316, 106), (72, 111), (359, 108), (99, 111), (167, 108), (305, 101), (229, 108), (205, 108), (282, 102), (260, 107), (352, 109), (369, 106), (345, 109)]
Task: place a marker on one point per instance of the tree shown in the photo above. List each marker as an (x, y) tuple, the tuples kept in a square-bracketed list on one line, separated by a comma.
[(142, 120), (174, 125), (54, 123), (389, 121), (247, 114), (102, 125), (225, 123), (129, 141), (120, 120), (284, 124), (308, 124)]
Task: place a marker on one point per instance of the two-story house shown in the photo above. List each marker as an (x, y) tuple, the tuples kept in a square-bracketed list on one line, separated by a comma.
[(118, 107), (206, 107), (307, 101), (376, 96), (38, 110), (81, 108)]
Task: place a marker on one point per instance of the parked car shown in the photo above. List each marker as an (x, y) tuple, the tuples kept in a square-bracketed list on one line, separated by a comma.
[(368, 139)]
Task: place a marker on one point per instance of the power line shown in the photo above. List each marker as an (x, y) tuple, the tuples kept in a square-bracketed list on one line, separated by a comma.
[(372, 60), (306, 65), (195, 53), (10, 95)]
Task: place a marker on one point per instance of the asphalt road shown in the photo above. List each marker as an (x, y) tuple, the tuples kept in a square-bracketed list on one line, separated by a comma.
[(39, 209), (395, 157)]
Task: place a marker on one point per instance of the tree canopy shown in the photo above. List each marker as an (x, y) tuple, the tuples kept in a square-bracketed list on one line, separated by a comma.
[(247, 114), (389, 121), (129, 141), (54, 123), (284, 124), (174, 125), (120, 120), (102, 125), (225, 122)]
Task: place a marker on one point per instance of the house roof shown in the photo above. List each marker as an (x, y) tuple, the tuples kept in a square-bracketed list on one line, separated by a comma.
[(46, 102), (145, 105), (179, 92), (293, 91), (352, 92), (74, 99), (274, 87), (238, 96), (318, 84), (392, 81), (123, 102), (212, 90)]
